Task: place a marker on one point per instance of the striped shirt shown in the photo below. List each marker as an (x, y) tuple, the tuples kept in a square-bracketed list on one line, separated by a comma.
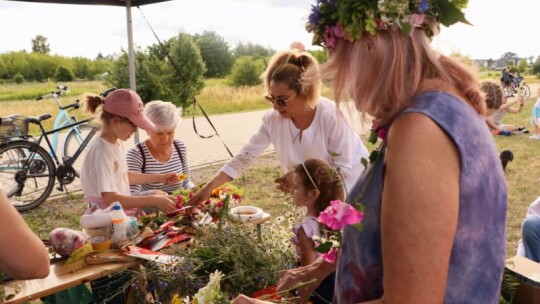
[(152, 166)]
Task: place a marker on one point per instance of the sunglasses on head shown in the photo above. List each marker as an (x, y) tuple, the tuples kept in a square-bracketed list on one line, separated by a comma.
[(280, 101)]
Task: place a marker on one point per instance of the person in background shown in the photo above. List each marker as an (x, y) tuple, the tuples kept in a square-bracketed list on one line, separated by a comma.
[(535, 117), (161, 152), (297, 45), (497, 106), (22, 254), (104, 174), (529, 244), (302, 125), (435, 196)]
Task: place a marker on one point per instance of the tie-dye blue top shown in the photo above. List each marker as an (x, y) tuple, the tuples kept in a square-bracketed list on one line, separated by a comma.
[(478, 251)]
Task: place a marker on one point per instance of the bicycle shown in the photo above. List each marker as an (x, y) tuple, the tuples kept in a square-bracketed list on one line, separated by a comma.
[(28, 171), (74, 135), (517, 85)]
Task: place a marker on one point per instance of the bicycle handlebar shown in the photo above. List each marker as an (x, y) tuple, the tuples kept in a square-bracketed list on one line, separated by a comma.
[(107, 92)]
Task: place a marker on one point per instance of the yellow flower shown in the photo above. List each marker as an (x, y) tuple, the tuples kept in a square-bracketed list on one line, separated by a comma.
[(182, 177)]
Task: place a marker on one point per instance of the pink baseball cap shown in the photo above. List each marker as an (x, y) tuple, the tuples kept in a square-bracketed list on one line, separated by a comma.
[(128, 104)]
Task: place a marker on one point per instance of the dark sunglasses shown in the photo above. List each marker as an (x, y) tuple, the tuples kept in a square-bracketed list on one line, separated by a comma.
[(282, 102)]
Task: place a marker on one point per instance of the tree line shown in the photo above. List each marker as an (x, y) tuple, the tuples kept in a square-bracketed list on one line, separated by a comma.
[(173, 71)]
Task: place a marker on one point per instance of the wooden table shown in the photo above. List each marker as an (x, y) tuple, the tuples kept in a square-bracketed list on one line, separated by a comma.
[(35, 289)]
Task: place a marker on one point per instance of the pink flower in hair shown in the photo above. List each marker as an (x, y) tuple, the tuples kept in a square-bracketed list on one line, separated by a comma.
[(329, 38), (339, 214), (417, 20), (338, 31)]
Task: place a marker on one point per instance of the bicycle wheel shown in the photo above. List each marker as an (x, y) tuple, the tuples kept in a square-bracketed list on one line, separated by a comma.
[(525, 91), (508, 91), (27, 174), (74, 139)]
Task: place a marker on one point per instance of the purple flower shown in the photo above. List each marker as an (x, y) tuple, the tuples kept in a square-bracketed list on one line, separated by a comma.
[(339, 214), (423, 6), (314, 16)]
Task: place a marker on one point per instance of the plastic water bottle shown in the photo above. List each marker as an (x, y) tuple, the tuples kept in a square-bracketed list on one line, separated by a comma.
[(119, 220)]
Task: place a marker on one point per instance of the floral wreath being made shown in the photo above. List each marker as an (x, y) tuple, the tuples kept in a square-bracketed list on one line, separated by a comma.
[(350, 19)]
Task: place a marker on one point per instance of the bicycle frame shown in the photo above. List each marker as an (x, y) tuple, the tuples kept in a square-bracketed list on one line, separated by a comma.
[(65, 161)]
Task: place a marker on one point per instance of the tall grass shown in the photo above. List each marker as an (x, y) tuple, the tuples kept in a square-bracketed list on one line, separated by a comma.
[(216, 98)]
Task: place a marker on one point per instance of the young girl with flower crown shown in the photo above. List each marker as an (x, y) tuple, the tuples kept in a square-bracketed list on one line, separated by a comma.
[(315, 184)]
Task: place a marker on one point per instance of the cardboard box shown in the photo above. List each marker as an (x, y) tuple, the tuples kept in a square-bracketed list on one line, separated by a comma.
[(528, 272)]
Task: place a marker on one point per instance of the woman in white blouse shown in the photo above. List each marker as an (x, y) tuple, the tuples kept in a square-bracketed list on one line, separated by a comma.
[(302, 125)]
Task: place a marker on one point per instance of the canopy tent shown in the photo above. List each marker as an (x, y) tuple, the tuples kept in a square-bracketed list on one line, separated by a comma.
[(128, 4)]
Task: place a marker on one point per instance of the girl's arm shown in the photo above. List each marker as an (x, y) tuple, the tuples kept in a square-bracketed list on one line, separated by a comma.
[(307, 251), (27, 257), (419, 215), (491, 125), (165, 203)]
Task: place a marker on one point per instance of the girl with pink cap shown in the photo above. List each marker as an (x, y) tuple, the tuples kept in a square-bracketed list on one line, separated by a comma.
[(104, 175)]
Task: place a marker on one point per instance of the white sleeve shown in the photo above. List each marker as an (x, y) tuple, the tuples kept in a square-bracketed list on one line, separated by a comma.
[(250, 151), (102, 173), (341, 143)]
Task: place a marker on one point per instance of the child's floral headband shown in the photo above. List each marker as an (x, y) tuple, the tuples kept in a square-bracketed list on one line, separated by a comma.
[(349, 19)]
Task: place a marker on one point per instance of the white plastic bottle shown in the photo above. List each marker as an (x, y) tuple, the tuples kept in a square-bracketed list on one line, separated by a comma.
[(119, 220)]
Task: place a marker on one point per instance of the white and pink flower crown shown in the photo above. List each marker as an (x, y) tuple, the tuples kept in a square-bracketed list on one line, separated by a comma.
[(350, 19)]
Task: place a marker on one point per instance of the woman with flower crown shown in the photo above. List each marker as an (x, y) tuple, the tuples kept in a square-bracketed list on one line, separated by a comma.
[(302, 125), (434, 197)]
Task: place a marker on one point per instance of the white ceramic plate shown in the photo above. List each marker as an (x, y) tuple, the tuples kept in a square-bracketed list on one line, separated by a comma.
[(246, 213)]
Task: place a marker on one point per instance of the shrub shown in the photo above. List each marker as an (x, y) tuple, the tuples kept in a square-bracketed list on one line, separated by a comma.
[(64, 74), (18, 78), (246, 71)]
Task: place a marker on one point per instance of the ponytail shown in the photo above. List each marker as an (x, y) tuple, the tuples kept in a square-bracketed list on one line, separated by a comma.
[(92, 103)]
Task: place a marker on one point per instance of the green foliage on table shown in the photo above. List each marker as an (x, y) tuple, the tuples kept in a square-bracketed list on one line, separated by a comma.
[(249, 259)]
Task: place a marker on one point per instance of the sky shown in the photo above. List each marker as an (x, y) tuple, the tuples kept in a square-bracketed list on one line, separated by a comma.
[(499, 26)]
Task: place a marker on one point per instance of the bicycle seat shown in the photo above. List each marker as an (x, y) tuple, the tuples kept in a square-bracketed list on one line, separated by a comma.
[(38, 119)]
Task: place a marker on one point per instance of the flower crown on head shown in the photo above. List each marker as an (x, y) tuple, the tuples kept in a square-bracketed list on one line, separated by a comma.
[(349, 19)]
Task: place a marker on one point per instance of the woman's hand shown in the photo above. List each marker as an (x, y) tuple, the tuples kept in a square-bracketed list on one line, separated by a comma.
[(317, 271), (169, 178), (285, 183), (165, 203), (201, 196), (242, 299)]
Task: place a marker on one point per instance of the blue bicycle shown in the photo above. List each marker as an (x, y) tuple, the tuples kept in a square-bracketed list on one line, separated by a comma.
[(74, 136), (28, 171)]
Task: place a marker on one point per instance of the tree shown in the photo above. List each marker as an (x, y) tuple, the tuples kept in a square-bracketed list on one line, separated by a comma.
[(536, 66), (18, 78), (3, 69), (254, 50), (215, 53), (157, 78), (64, 74), (246, 71), (40, 45), (188, 80), (522, 66), (319, 55)]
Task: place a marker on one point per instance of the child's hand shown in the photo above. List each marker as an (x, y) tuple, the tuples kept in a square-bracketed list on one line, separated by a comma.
[(169, 178), (165, 203), (242, 299), (285, 182)]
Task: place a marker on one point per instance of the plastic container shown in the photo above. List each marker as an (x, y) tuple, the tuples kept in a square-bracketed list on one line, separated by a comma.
[(97, 219), (119, 220), (100, 242)]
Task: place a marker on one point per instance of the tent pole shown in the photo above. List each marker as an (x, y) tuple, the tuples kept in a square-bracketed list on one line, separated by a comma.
[(131, 57)]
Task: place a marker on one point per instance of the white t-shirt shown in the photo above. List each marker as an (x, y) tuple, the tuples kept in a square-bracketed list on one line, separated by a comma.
[(104, 170), (534, 210), (328, 133)]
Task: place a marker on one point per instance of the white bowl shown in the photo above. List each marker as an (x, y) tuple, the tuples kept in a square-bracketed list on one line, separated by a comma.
[(246, 213)]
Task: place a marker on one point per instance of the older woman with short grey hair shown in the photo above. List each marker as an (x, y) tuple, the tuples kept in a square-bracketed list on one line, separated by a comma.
[(161, 152)]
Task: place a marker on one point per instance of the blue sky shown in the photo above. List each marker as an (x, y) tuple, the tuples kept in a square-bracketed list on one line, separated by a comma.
[(74, 30)]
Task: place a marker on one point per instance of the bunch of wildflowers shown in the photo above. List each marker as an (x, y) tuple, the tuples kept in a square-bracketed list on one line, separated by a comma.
[(331, 20)]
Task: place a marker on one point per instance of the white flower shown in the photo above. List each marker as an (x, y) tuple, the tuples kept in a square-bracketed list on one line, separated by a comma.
[(206, 294)]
